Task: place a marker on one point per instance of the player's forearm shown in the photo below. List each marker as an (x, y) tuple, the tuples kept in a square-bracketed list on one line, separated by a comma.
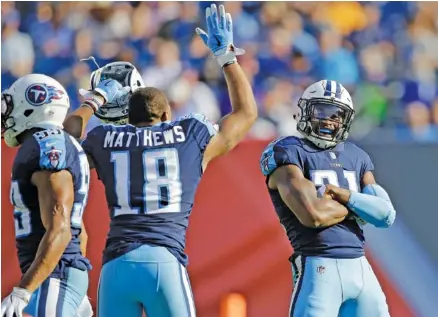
[(77, 121), (328, 212), (50, 250), (244, 107), (311, 211), (373, 206), (240, 91), (300, 195)]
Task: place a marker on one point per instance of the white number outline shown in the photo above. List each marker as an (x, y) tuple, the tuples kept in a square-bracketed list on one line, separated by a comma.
[(21, 212), (78, 208), (122, 182), (318, 176)]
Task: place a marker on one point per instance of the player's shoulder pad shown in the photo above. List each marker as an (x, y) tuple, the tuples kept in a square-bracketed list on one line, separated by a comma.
[(280, 152), (200, 119), (53, 148), (350, 146), (361, 155), (28, 153), (101, 128)]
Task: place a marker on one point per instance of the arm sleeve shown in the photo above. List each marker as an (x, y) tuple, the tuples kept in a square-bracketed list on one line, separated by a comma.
[(279, 153), (373, 205)]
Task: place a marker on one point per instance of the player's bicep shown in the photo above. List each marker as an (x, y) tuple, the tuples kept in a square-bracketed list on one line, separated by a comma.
[(298, 193), (368, 179), (76, 122), (55, 196), (216, 147), (232, 130)]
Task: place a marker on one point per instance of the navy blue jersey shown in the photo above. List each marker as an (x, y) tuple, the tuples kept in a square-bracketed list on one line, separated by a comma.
[(52, 150), (150, 176), (342, 166)]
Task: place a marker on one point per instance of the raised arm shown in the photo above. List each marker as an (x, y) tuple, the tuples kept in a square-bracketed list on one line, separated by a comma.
[(234, 126), (106, 91), (299, 194), (56, 196), (77, 121)]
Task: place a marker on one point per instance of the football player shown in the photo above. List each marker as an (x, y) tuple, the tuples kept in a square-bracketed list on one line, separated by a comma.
[(323, 189), (49, 190), (151, 168)]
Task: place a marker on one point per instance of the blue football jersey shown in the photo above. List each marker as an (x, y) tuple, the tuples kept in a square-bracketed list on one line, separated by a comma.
[(52, 150), (150, 176), (343, 166)]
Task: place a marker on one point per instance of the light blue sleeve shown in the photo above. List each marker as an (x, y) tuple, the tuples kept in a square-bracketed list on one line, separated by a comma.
[(373, 205)]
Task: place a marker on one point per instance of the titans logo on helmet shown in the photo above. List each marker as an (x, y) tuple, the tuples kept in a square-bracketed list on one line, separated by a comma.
[(40, 94)]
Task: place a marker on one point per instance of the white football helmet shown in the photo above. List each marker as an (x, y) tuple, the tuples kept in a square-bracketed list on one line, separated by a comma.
[(326, 113), (33, 101), (126, 74)]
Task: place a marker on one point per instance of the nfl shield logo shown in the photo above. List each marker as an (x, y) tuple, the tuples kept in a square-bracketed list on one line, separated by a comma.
[(320, 269), (333, 155)]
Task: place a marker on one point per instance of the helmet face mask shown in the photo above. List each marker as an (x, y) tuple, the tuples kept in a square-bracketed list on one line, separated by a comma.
[(126, 74), (7, 107), (325, 119)]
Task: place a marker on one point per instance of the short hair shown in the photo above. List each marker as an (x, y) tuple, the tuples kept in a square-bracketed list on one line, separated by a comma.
[(146, 104)]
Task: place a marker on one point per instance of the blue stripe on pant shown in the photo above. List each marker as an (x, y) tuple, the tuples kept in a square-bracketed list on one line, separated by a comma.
[(336, 288), (59, 297), (148, 278)]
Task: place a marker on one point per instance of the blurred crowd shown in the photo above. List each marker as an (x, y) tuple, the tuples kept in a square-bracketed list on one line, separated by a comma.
[(385, 53)]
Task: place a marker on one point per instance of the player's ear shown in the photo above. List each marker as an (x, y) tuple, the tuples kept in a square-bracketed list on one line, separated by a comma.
[(167, 115)]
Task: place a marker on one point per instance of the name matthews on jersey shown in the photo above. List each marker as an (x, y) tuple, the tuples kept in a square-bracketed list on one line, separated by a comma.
[(150, 138)]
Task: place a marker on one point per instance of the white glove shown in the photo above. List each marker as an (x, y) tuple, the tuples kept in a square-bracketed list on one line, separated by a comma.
[(85, 309), (13, 305)]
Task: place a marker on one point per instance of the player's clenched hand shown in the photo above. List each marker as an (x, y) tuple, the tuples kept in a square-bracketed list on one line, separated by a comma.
[(321, 193), (219, 35), (13, 305), (341, 195), (108, 90)]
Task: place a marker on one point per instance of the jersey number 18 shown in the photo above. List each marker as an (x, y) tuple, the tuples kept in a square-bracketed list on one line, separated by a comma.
[(162, 187)]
